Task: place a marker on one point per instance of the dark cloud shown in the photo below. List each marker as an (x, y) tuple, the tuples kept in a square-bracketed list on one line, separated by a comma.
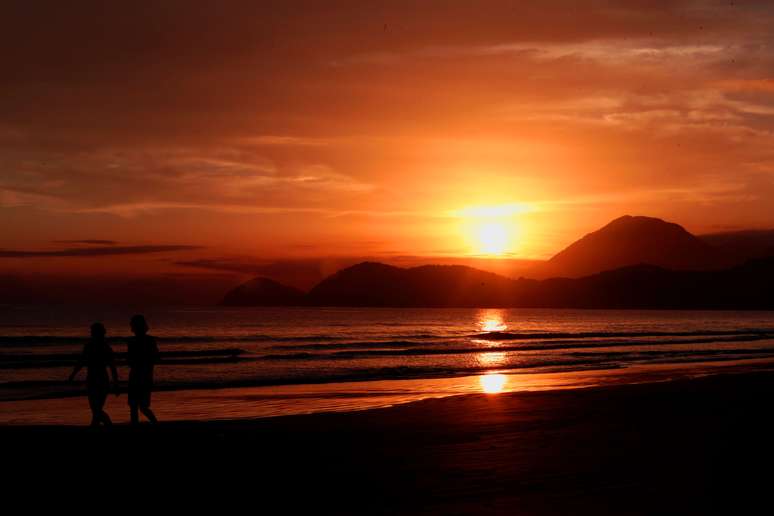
[(302, 274), (98, 70), (97, 251), (87, 242), (245, 266), (135, 293)]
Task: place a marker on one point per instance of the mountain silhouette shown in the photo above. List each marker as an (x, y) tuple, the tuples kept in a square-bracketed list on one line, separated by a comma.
[(744, 287), (744, 245), (632, 240), (377, 284), (263, 292), (632, 262), (371, 284)]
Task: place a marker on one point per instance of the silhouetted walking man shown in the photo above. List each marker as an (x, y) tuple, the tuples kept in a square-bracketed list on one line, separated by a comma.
[(143, 353), (97, 356)]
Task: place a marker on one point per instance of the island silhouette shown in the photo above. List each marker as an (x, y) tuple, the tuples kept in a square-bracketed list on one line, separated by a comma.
[(633, 262), (632, 240)]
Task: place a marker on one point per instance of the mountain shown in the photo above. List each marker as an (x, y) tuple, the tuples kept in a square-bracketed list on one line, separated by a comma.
[(746, 286), (263, 292), (377, 284), (630, 241), (743, 245), (633, 262), (370, 284)]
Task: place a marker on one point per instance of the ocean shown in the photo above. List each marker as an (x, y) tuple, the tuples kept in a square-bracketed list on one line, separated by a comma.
[(310, 359)]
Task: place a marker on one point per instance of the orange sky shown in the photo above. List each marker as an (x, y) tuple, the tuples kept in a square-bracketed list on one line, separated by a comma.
[(306, 130)]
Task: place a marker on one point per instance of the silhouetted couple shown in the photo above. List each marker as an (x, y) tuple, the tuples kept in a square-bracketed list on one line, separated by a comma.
[(142, 355)]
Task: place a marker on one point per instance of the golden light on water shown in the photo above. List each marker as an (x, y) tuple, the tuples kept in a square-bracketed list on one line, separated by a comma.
[(493, 383), (491, 320), (493, 325), (491, 359)]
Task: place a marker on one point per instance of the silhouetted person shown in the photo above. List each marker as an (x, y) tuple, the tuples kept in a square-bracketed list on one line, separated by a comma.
[(97, 356), (143, 353)]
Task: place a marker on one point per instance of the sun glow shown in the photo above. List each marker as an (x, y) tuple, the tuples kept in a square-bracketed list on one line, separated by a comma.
[(492, 238), (492, 230), (492, 383)]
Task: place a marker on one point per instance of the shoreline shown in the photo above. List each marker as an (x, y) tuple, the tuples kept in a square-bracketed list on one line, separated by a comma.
[(259, 402), (682, 446)]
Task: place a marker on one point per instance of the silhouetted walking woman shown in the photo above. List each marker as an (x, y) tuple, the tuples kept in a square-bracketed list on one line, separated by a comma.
[(97, 356), (143, 353)]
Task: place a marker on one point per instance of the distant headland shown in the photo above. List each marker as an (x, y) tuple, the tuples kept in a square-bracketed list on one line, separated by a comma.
[(633, 262)]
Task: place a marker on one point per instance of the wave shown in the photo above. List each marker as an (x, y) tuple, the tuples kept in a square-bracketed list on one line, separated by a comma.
[(501, 335), (536, 344), (42, 389), (40, 361), (31, 340), (322, 340), (361, 344), (55, 340), (372, 349), (355, 354), (404, 348), (46, 389)]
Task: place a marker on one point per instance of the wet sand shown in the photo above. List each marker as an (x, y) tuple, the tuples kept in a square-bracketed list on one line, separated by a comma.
[(680, 447)]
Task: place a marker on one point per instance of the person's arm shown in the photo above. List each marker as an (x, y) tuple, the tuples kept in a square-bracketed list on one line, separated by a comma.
[(113, 371), (156, 353), (78, 366), (77, 370)]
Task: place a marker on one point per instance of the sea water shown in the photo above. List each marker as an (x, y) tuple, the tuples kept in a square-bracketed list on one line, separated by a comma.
[(297, 353)]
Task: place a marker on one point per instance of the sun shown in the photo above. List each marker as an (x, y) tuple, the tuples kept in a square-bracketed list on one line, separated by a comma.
[(492, 238), (492, 230)]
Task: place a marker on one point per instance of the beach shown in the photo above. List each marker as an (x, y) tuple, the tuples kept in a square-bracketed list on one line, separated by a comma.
[(687, 446)]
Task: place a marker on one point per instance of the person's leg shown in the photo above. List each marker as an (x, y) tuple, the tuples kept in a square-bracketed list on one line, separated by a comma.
[(95, 407), (145, 402), (106, 419), (100, 396), (132, 398), (149, 414)]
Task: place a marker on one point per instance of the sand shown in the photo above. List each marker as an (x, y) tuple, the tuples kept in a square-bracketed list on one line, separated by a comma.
[(680, 447)]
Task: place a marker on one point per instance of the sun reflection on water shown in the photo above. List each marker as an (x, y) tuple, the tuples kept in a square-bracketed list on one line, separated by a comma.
[(492, 320), (493, 383), (491, 358)]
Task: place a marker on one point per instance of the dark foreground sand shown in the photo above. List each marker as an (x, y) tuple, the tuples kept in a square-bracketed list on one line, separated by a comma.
[(682, 447)]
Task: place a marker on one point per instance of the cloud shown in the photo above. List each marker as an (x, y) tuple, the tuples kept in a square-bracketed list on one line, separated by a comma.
[(97, 251), (276, 140), (87, 242), (306, 273), (241, 134), (766, 85), (301, 273), (611, 51), (128, 181)]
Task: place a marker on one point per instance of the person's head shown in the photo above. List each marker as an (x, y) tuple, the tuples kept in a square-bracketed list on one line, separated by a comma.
[(98, 331), (138, 324)]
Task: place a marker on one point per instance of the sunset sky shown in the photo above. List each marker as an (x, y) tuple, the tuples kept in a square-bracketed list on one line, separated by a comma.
[(222, 134)]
